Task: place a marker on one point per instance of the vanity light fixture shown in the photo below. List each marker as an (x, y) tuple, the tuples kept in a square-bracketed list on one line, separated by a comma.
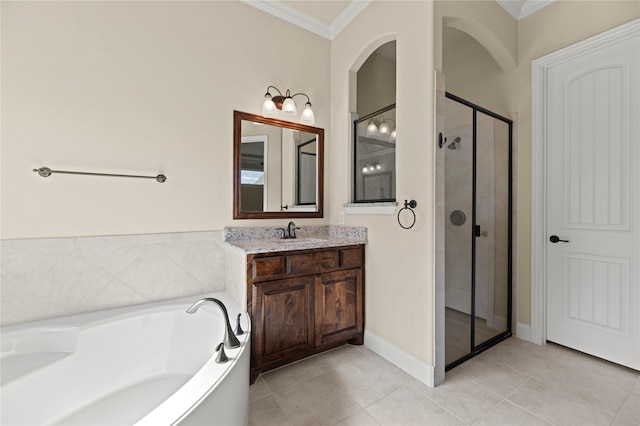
[(372, 128), (387, 129), (371, 167), (286, 105), (382, 126)]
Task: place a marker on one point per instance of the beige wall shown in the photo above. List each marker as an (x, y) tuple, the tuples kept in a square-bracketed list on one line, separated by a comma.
[(139, 88), (504, 91), (399, 263)]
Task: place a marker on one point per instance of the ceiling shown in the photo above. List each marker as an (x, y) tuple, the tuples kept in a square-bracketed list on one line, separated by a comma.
[(328, 18)]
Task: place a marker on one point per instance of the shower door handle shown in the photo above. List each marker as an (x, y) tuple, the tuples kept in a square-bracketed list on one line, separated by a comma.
[(477, 231), (555, 239)]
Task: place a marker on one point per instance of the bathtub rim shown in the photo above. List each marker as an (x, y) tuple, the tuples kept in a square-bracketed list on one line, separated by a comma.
[(186, 398)]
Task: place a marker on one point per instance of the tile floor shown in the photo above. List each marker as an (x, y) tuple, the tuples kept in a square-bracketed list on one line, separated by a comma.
[(457, 326), (513, 383)]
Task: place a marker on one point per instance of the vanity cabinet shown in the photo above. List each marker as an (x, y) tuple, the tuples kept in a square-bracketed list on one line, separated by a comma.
[(303, 302)]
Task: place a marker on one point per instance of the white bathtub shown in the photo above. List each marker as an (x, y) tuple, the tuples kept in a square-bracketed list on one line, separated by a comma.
[(150, 364)]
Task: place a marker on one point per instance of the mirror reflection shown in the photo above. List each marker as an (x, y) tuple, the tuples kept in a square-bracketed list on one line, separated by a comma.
[(375, 156), (278, 168)]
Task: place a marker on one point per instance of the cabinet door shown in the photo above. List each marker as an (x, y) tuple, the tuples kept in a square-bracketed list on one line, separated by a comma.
[(283, 321), (339, 306)]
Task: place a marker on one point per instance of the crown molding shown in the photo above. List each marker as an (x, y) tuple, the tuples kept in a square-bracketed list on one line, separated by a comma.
[(532, 6), (348, 14), (293, 16), (520, 10), (513, 7)]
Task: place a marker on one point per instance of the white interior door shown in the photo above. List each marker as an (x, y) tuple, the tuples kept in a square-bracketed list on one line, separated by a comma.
[(593, 202)]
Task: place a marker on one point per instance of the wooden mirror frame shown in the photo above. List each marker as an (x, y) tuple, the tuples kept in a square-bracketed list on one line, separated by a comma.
[(237, 161)]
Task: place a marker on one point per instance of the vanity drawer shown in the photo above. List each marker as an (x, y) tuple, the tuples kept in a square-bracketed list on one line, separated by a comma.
[(265, 267), (295, 264), (313, 263), (351, 258)]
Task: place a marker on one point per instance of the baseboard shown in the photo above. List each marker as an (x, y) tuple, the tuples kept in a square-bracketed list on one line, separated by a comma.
[(417, 368), (523, 331)]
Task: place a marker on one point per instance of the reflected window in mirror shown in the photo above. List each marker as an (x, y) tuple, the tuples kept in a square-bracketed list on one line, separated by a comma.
[(375, 156), (374, 144), (278, 168)]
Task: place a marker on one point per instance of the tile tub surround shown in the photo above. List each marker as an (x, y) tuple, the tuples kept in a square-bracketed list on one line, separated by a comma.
[(51, 277), (268, 239)]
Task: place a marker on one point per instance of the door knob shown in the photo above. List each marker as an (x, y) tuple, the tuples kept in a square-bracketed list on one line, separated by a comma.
[(555, 239)]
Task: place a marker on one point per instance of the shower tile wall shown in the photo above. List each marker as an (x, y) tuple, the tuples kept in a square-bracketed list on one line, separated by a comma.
[(458, 196), (485, 216), (44, 278), (501, 225)]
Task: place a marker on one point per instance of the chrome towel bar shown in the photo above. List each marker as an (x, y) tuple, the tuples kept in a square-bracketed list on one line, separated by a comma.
[(46, 172)]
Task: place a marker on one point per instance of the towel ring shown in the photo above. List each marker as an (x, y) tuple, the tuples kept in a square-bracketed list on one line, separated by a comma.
[(408, 205)]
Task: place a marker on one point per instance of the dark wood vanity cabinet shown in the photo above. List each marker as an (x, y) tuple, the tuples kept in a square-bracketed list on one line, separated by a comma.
[(303, 302), (282, 319), (336, 307)]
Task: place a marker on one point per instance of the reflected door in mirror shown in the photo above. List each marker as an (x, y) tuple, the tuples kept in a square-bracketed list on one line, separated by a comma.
[(253, 174)]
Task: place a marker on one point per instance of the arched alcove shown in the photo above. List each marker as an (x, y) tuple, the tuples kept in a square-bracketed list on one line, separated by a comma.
[(374, 145), (484, 35), (369, 49)]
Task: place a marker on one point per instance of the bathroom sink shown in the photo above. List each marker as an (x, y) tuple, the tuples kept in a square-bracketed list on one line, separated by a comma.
[(307, 240)]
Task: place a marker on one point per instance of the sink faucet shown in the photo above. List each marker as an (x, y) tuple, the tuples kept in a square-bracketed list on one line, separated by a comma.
[(230, 340), (291, 230)]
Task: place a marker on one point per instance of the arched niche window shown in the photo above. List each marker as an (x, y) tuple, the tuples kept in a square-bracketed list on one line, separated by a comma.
[(374, 145)]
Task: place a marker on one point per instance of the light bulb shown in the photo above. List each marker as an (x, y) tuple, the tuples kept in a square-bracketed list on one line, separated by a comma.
[(364, 169), (307, 116), (371, 168), (384, 128), (378, 166), (392, 135), (289, 107), (268, 107), (372, 128)]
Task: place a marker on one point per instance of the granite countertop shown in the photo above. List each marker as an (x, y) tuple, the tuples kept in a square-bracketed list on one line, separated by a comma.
[(267, 239)]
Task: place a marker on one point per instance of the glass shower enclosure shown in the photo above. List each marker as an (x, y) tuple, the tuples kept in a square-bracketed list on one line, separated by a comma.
[(478, 223)]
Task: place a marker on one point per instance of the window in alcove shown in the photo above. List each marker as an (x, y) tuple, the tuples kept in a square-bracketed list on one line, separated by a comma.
[(375, 156), (374, 132)]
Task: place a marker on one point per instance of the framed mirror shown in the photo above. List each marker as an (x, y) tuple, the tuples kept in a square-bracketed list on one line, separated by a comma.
[(277, 168)]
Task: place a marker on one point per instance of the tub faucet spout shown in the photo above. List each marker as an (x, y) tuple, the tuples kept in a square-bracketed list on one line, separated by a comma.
[(230, 340)]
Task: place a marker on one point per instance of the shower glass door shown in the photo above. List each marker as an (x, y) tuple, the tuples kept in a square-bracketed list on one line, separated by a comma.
[(477, 230), (492, 228), (458, 229)]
